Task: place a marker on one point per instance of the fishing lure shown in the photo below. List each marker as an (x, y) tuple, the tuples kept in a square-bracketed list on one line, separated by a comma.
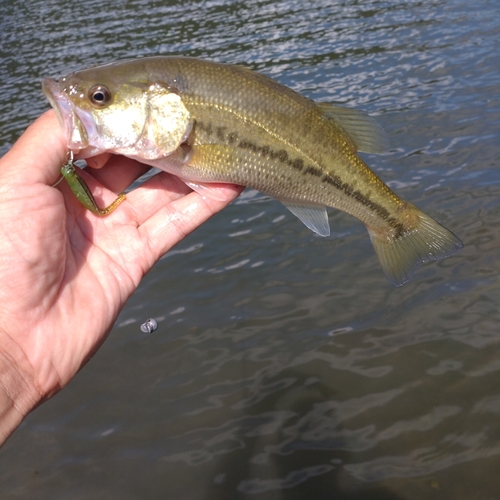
[(82, 191)]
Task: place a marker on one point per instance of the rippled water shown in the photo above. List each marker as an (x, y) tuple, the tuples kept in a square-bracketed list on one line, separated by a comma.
[(284, 365)]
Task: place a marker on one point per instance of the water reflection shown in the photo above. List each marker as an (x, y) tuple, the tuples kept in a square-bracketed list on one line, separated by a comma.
[(284, 366)]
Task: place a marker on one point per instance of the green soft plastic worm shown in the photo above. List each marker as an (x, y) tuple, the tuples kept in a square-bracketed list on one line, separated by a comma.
[(82, 192)]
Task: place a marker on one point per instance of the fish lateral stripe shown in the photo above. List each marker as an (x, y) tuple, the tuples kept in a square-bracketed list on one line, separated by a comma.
[(357, 195), (316, 172), (265, 152)]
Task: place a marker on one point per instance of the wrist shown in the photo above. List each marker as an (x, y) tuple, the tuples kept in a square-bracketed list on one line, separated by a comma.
[(19, 393)]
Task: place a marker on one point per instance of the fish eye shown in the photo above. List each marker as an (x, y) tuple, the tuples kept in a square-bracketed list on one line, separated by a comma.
[(99, 96)]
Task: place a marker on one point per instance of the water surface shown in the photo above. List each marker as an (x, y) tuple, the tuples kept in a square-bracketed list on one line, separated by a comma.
[(285, 366)]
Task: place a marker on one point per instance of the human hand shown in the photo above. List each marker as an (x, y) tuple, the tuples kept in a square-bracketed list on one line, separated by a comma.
[(65, 273)]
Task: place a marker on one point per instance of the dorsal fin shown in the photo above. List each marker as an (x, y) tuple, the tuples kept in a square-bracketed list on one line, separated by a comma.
[(365, 132)]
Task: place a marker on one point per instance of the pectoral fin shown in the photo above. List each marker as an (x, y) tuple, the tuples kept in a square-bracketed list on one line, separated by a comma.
[(313, 216)]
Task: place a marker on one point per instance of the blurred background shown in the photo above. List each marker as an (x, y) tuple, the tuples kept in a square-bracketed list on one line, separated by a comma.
[(284, 365)]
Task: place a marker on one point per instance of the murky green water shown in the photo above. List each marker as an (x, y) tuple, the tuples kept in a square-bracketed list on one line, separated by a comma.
[(285, 366)]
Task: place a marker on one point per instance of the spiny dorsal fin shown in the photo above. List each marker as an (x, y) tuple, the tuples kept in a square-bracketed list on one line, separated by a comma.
[(365, 132)]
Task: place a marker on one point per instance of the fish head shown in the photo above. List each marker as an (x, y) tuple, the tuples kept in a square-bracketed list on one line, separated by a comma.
[(108, 109)]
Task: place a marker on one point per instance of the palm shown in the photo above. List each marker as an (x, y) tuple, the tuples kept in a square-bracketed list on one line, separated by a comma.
[(70, 272)]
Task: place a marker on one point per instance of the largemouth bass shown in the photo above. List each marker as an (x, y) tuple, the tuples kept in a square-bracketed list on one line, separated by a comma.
[(207, 122)]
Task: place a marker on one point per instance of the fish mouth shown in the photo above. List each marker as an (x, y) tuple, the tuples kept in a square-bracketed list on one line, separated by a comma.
[(77, 136)]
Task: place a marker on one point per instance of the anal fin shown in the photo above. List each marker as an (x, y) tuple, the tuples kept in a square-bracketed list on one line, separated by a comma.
[(313, 216)]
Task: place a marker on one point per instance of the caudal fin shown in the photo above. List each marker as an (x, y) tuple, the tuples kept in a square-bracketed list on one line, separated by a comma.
[(400, 256)]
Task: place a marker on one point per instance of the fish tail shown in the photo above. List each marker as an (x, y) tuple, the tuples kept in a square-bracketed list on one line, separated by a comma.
[(401, 254)]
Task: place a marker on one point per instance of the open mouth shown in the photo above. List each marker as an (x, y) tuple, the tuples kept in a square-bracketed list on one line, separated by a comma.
[(66, 112)]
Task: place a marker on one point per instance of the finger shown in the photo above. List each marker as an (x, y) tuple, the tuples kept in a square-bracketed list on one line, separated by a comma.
[(38, 155), (175, 220), (97, 161), (142, 202), (118, 172), (162, 189)]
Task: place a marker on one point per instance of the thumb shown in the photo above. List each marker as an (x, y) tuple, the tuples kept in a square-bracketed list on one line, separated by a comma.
[(38, 155)]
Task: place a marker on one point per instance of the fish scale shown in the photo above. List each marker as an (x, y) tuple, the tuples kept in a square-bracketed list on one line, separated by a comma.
[(308, 179)]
